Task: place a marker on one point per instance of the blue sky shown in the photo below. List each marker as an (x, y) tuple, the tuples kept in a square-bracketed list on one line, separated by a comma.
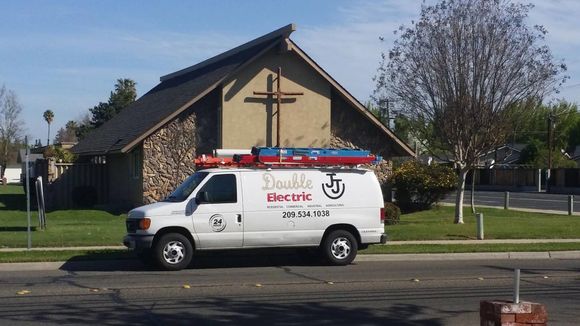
[(66, 55)]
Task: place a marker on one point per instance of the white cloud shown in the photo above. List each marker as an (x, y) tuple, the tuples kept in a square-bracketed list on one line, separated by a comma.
[(350, 50)]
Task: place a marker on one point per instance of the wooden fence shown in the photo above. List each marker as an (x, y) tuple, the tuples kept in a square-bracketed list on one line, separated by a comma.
[(69, 185)]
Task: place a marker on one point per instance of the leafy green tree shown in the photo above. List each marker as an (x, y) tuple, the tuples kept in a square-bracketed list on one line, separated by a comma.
[(67, 134), (531, 152), (463, 73), (124, 94), (375, 110)]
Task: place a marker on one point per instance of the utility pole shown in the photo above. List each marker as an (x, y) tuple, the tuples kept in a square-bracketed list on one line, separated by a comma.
[(550, 149)]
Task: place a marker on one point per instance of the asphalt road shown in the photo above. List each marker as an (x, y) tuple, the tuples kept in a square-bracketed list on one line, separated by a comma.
[(529, 200), (284, 291)]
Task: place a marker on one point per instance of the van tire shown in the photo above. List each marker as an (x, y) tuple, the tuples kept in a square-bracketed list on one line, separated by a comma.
[(173, 252), (339, 247)]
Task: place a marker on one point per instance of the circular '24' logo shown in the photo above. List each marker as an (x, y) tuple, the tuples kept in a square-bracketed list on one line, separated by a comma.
[(217, 223)]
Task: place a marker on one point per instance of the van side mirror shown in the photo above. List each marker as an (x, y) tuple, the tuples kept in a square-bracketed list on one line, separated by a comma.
[(201, 197)]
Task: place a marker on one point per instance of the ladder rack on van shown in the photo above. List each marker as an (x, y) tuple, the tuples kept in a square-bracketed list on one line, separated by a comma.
[(280, 156)]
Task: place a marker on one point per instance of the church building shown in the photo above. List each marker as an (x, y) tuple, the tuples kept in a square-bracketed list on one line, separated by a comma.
[(266, 92)]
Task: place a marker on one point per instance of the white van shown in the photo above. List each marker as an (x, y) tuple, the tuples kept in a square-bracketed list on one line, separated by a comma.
[(336, 209)]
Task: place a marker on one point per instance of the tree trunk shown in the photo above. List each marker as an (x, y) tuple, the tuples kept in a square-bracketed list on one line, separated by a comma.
[(48, 136), (473, 191), (459, 197)]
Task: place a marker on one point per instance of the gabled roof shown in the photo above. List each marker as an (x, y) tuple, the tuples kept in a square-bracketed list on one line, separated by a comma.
[(179, 90), (173, 95), (505, 154)]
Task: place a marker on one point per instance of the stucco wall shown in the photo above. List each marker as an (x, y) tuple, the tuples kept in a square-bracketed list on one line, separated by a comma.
[(250, 120), (169, 153)]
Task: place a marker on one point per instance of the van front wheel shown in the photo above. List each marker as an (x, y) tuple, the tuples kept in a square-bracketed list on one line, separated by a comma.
[(173, 252), (340, 247)]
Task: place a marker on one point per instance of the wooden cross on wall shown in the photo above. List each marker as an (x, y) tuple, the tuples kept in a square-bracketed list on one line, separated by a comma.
[(279, 96)]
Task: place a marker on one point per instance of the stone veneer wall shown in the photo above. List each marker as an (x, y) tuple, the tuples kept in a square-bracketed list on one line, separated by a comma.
[(350, 129), (169, 153)]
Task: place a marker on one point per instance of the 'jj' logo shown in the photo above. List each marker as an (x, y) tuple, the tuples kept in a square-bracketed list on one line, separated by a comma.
[(334, 189)]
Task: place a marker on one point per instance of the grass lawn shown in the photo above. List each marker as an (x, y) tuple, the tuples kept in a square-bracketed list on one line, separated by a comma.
[(437, 224), (81, 227), (64, 228)]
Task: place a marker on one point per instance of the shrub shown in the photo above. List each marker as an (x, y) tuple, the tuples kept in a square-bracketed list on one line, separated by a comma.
[(419, 186), (64, 155), (49, 151), (392, 214)]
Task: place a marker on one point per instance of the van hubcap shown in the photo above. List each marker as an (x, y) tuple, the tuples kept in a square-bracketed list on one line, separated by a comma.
[(174, 252), (340, 248)]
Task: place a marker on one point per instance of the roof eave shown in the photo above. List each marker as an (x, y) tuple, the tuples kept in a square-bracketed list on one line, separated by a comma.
[(283, 31), (139, 139)]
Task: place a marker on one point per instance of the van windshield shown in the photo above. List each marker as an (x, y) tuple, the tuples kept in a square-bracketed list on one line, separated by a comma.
[(185, 189)]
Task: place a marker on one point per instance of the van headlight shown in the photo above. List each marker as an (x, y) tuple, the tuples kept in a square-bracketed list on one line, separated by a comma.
[(144, 223)]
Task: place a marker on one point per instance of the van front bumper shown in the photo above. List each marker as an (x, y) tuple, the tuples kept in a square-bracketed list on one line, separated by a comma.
[(137, 241)]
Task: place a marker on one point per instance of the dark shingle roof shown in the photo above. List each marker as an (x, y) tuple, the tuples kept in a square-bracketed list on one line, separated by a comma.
[(163, 100)]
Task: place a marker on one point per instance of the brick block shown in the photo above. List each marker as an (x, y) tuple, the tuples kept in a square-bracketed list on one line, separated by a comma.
[(506, 313), (538, 315), (507, 318)]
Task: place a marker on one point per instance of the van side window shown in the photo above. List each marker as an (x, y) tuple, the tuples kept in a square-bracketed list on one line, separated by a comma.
[(221, 189)]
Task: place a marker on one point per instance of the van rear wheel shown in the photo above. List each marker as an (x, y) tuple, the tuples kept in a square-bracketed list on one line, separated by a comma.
[(173, 252), (339, 247)]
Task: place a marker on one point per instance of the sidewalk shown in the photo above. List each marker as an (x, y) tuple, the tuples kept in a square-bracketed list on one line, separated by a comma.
[(65, 248), (494, 241)]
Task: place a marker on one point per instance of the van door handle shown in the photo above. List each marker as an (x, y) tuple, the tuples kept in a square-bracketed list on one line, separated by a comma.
[(239, 217)]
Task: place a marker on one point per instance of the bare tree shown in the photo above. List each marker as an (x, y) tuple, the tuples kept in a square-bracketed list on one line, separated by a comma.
[(463, 74), (11, 127)]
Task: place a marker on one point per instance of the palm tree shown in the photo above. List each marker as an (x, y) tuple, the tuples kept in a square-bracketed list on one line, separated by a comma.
[(48, 117)]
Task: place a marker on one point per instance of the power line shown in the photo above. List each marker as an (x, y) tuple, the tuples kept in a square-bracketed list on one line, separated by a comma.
[(572, 86)]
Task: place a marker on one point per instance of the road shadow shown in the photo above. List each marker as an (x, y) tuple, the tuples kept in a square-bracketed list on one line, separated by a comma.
[(15, 202), (16, 228), (459, 236), (179, 310), (128, 261), (532, 270)]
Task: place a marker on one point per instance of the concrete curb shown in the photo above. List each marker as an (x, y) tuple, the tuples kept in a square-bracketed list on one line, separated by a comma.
[(491, 241), (54, 266), (471, 256)]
